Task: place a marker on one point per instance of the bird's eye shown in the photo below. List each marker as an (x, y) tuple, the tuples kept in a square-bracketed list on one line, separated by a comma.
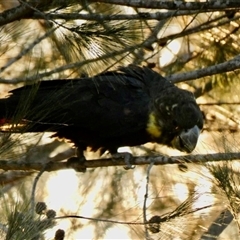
[(168, 112)]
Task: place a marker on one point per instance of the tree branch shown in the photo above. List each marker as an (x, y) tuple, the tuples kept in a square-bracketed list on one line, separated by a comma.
[(14, 14), (24, 11), (32, 78), (105, 17), (107, 162), (173, 5), (228, 66)]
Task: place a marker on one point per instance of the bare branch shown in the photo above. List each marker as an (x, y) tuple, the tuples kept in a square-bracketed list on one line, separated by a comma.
[(199, 28), (70, 66), (25, 10), (14, 14), (107, 162), (228, 66), (173, 5), (104, 17)]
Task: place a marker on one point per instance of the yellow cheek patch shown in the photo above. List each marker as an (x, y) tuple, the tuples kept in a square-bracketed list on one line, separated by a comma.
[(152, 127)]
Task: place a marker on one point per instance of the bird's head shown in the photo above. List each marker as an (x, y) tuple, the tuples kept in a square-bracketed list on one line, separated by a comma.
[(179, 119)]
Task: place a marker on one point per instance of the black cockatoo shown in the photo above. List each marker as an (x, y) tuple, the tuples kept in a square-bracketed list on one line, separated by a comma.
[(128, 107)]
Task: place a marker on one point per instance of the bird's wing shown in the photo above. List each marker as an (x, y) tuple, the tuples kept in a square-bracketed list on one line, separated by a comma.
[(110, 103), (110, 109)]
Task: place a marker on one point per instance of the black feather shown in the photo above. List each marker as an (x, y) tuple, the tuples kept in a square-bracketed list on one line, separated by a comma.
[(107, 111)]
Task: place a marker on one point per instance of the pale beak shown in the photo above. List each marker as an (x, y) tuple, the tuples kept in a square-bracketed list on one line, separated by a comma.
[(186, 141)]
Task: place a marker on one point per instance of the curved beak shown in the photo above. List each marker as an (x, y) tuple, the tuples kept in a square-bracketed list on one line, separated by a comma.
[(186, 141)]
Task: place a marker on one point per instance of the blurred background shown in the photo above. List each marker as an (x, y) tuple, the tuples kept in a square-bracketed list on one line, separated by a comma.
[(42, 40)]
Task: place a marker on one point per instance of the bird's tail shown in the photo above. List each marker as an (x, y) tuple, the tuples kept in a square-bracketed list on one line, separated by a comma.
[(8, 114), (3, 111)]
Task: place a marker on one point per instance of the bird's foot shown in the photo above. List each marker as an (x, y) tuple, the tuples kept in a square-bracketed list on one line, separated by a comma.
[(127, 158), (77, 163)]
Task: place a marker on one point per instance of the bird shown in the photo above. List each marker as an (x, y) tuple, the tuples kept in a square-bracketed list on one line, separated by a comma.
[(130, 106)]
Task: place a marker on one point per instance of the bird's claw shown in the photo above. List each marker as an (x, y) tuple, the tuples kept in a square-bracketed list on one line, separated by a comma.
[(127, 158)]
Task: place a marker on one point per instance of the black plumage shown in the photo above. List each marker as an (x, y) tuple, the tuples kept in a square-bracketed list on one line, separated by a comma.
[(128, 107)]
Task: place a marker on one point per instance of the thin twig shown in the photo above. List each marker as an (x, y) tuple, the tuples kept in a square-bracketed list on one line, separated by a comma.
[(145, 199), (26, 50), (34, 188), (100, 220), (166, 217), (70, 66), (207, 25)]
